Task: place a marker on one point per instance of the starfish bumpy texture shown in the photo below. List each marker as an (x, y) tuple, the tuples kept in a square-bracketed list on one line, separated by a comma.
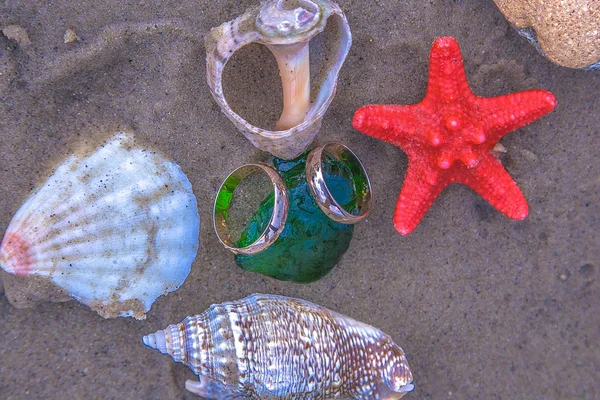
[(449, 135)]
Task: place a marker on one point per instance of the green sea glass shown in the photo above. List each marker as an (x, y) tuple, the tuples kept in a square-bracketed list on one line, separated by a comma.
[(311, 243)]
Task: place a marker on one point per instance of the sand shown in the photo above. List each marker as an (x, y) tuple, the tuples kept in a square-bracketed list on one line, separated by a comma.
[(485, 307)]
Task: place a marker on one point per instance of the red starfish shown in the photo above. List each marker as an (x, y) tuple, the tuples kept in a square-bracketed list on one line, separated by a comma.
[(448, 137)]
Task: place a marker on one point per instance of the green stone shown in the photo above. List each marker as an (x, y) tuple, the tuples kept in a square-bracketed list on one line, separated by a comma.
[(311, 243)]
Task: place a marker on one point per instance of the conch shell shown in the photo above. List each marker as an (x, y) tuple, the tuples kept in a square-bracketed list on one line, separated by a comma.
[(286, 31), (115, 230), (274, 347)]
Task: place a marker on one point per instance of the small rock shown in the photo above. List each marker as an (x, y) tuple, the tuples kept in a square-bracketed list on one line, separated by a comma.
[(499, 151), (586, 271), (499, 148), (70, 36), (567, 32), (529, 155), (18, 34)]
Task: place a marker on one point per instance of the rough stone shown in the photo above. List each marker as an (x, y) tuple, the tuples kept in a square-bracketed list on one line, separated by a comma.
[(567, 32)]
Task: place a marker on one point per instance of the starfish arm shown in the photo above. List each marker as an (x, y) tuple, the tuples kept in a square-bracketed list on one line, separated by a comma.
[(391, 123), (421, 187), (447, 78), (492, 182), (503, 114)]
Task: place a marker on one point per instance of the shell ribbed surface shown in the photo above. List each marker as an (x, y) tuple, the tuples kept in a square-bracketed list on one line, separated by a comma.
[(116, 229), (274, 347), (274, 23)]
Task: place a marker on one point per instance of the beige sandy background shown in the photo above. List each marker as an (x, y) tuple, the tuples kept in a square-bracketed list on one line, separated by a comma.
[(485, 307)]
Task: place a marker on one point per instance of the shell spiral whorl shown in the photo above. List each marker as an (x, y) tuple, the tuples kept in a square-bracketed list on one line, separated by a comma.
[(274, 347), (276, 19)]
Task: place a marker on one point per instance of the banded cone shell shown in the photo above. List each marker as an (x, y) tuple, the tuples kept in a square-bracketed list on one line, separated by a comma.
[(114, 229), (275, 347)]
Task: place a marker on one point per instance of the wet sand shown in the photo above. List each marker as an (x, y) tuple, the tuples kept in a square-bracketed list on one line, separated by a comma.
[(485, 307)]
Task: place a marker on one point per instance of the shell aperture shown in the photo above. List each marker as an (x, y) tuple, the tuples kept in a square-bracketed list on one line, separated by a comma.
[(286, 28)]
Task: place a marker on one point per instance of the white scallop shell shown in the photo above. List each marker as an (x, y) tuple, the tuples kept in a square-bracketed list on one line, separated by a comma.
[(274, 24), (274, 347), (115, 229)]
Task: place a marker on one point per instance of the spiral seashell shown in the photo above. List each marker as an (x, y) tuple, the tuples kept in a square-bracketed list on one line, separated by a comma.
[(276, 21), (286, 30), (115, 230), (275, 347)]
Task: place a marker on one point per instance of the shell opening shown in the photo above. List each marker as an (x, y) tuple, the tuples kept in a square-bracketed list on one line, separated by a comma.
[(293, 62), (278, 24), (406, 388)]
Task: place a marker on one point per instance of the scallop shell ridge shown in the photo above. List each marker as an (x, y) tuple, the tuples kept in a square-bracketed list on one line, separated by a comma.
[(115, 229)]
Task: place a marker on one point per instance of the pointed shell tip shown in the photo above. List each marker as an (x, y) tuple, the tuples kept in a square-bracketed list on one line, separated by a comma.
[(156, 341), (149, 341)]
